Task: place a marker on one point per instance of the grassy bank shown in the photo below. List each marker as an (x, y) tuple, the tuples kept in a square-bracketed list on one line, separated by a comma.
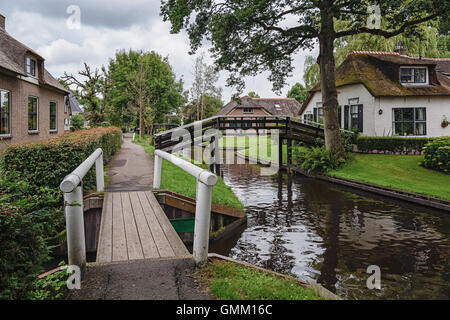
[(396, 171), (231, 281), (177, 180)]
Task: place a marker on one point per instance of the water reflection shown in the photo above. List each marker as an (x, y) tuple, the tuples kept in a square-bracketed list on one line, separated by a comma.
[(318, 231)]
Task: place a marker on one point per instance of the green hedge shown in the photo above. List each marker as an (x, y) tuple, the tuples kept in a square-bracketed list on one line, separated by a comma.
[(391, 144), (31, 212), (437, 155), (48, 162)]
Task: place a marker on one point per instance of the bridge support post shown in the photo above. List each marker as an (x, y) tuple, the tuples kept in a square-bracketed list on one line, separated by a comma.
[(99, 175), (76, 247), (280, 152), (212, 154)]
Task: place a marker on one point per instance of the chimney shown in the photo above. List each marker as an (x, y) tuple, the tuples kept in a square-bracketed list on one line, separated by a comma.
[(2, 22), (400, 50)]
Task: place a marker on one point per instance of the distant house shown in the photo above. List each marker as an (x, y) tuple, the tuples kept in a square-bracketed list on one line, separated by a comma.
[(32, 101), (388, 94), (73, 105)]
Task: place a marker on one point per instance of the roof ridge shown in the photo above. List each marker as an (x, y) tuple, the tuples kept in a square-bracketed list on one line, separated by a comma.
[(273, 98), (373, 52)]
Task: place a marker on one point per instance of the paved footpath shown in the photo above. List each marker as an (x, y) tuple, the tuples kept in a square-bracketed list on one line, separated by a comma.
[(131, 169), (173, 279)]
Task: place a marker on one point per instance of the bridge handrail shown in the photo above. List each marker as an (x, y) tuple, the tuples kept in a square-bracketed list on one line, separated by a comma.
[(205, 183), (73, 203)]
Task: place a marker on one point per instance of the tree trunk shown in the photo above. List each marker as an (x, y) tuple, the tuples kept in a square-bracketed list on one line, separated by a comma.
[(333, 140), (141, 120)]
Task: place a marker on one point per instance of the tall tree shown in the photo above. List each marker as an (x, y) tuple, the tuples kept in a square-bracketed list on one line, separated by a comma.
[(90, 90), (253, 94), (251, 36), (162, 91), (298, 92), (205, 79)]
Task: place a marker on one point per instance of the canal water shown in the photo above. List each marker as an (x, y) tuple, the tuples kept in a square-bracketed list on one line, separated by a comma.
[(321, 232)]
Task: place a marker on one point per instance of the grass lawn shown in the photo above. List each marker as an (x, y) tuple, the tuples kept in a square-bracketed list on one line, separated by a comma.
[(396, 171), (255, 148), (231, 281), (177, 180)]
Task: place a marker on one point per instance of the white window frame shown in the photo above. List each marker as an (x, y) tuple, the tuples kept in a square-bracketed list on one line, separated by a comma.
[(37, 115), (35, 75), (56, 116), (9, 114), (414, 83)]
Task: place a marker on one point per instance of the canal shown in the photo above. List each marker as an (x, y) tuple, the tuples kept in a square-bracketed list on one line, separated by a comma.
[(321, 232)]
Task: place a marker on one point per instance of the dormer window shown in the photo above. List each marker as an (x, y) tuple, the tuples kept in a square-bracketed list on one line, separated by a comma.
[(248, 110), (277, 106), (415, 75), (31, 66)]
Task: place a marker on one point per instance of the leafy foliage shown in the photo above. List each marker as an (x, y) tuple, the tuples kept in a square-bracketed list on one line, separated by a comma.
[(316, 159), (77, 121), (165, 92), (31, 214), (437, 154), (298, 92), (391, 144), (51, 287)]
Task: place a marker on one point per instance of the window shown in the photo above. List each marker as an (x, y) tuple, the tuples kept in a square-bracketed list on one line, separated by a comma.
[(248, 110), (413, 75), (32, 114), (5, 111), (53, 118), (353, 117), (31, 66), (409, 121), (308, 116), (66, 103)]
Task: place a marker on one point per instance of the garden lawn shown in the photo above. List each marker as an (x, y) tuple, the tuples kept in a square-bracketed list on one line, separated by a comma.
[(396, 171), (177, 180), (231, 281)]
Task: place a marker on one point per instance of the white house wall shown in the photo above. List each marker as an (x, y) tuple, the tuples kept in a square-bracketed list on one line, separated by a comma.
[(436, 109), (375, 124)]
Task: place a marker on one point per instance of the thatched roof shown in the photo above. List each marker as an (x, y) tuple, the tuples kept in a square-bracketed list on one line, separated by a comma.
[(379, 72), (12, 59), (274, 106)]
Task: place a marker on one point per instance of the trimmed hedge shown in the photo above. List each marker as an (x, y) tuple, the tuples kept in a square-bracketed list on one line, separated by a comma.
[(48, 162), (31, 213), (437, 155), (391, 144)]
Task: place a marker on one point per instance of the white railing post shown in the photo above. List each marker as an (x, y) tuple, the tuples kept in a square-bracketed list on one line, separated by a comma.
[(205, 183), (157, 172), (99, 174), (73, 203), (202, 223), (76, 248)]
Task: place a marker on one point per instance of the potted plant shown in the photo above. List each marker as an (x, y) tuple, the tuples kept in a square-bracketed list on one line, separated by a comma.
[(444, 123)]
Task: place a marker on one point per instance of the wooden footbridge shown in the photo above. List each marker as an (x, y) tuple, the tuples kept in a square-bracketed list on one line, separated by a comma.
[(133, 224), (287, 128)]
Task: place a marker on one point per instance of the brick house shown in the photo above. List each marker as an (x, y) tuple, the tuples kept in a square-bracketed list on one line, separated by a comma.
[(33, 103), (261, 107)]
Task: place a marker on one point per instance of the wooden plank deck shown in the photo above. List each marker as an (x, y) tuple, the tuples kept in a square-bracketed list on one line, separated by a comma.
[(134, 227)]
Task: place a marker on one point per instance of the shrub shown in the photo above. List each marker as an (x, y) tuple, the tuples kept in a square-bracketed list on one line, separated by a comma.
[(437, 154), (31, 213), (391, 144), (22, 251), (105, 124), (316, 159), (77, 121), (48, 162)]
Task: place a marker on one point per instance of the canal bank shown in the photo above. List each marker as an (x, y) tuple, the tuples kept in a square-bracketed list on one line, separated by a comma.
[(330, 234)]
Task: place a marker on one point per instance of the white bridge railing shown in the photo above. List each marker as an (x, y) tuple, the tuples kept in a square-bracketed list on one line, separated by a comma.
[(205, 183), (73, 202)]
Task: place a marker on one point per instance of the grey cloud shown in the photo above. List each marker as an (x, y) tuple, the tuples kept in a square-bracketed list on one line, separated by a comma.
[(114, 14)]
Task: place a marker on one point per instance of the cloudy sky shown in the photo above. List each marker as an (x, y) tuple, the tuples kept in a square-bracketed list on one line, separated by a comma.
[(108, 26)]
